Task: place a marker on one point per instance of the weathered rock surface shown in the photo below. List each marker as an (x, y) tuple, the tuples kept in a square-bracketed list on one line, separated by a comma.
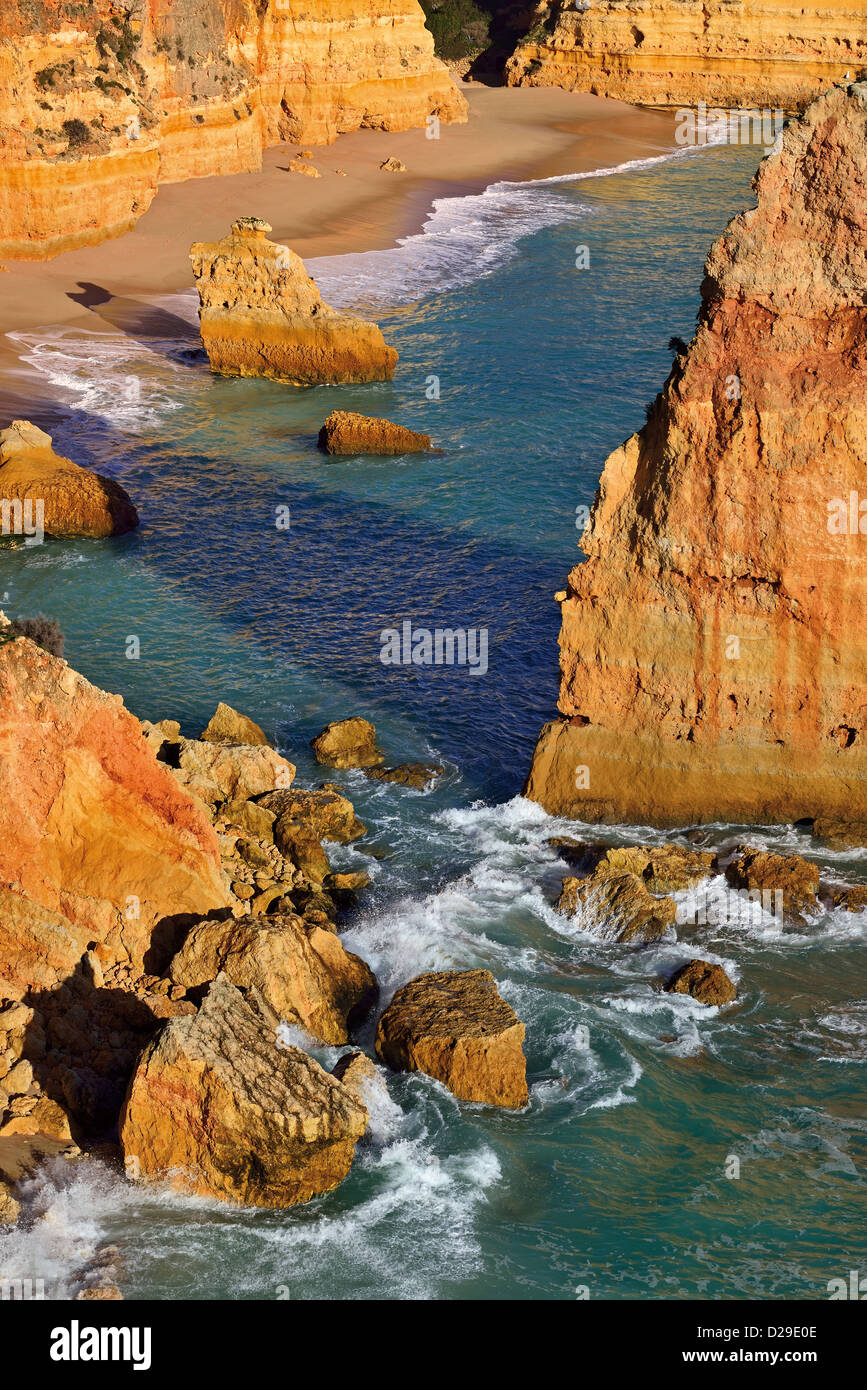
[(94, 830), (713, 658), (226, 725), (229, 771), (326, 814), (262, 315), (454, 1026), (217, 1108), (852, 899), (10, 1207), (617, 906), (420, 776), (101, 103), (663, 868), (346, 432), (795, 878), (661, 54), (74, 501), (347, 743), (360, 1077), (302, 973), (707, 983)]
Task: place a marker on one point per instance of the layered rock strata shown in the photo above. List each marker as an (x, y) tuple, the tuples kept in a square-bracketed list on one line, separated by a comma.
[(262, 315), (755, 53), (453, 1025), (103, 100), (713, 664)]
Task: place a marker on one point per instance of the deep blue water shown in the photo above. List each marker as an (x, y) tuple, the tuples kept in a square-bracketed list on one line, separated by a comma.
[(613, 1179)]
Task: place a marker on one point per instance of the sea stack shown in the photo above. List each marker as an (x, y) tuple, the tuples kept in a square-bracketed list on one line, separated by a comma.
[(262, 315), (713, 654)]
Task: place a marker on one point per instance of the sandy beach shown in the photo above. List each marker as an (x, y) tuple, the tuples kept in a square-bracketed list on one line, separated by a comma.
[(512, 133)]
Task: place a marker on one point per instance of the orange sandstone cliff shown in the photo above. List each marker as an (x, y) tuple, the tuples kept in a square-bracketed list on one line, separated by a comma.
[(769, 53), (262, 315), (713, 651), (103, 100)]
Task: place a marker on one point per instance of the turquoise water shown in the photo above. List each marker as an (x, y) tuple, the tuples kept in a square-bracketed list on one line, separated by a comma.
[(614, 1179)]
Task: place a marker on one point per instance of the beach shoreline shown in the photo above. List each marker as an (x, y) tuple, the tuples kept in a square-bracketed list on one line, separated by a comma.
[(513, 134)]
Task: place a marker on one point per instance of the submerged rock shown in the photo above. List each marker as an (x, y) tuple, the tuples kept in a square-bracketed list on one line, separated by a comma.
[(347, 743), (345, 432), (453, 1025), (617, 905), (304, 974), (217, 1108), (262, 315), (712, 670), (74, 501), (707, 983), (417, 775)]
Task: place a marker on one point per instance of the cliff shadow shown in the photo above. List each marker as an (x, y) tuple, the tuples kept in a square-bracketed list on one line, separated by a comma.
[(83, 1044), (158, 329)]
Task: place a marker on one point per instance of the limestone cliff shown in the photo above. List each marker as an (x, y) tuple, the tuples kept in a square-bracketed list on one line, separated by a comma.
[(262, 315), (713, 654), (766, 53), (102, 100)]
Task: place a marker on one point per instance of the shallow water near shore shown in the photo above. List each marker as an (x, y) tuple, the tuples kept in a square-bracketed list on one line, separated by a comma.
[(613, 1182)]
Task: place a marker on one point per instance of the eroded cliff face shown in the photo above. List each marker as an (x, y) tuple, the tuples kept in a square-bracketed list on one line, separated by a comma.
[(679, 52), (102, 100), (713, 654)]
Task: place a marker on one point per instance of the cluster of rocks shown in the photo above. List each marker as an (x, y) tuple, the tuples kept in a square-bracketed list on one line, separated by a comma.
[(351, 743), (167, 907), (623, 894)]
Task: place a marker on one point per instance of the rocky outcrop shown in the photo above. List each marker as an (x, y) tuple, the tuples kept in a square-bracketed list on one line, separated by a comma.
[(347, 743), (327, 814), (707, 983), (760, 873), (95, 833), (226, 725), (766, 53), (303, 974), (216, 1107), (454, 1026), (615, 905), (712, 649), (43, 493), (101, 102), (262, 315), (346, 432)]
